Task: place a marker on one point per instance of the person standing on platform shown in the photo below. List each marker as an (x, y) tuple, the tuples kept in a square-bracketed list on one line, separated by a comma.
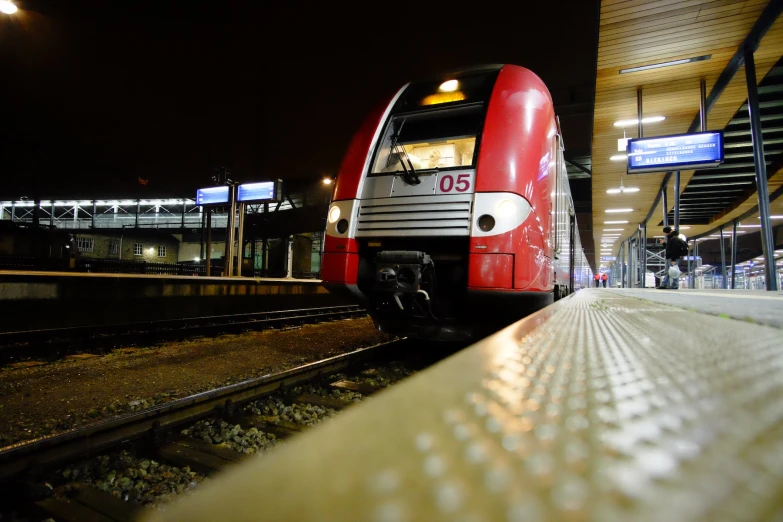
[(597, 279), (662, 241), (604, 279), (675, 248)]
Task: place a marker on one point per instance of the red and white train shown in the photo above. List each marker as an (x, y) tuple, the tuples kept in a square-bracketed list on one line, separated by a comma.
[(452, 213)]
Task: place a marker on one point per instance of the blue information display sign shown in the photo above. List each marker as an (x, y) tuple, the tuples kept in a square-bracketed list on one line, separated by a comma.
[(212, 196), (265, 191), (691, 151)]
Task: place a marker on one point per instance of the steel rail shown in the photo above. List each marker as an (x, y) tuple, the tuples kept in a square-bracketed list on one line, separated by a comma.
[(47, 452), (24, 343)]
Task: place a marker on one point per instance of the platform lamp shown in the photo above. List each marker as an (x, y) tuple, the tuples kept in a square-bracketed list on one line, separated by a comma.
[(8, 7), (328, 181)]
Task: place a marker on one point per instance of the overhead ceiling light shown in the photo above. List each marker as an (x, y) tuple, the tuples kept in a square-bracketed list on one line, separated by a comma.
[(618, 157), (685, 228), (613, 229), (617, 210), (666, 64), (630, 123), (449, 86), (615, 222), (773, 217), (7, 7), (750, 226), (622, 189)]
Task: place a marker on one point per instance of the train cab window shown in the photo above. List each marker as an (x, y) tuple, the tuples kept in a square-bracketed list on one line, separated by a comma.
[(435, 139)]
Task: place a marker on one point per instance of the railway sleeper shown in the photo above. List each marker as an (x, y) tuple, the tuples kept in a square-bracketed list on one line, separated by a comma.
[(88, 503), (262, 423), (358, 387), (199, 456), (317, 400)]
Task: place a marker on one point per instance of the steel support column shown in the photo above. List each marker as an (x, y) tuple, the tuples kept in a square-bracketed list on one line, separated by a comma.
[(639, 110), (638, 259), (762, 190), (703, 104), (644, 256), (677, 200), (733, 253), (664, 199), (208, 255), (722, 260), (203, 233), (138, 211), (230, 229), (94, 211), (240, 239)]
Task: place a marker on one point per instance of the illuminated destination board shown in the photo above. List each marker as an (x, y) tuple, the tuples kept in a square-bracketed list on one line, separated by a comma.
[(686, 151), (212, 196), (265, 191)]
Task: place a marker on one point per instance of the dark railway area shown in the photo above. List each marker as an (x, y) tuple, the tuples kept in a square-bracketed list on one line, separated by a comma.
[(118, 469), (20, 347)]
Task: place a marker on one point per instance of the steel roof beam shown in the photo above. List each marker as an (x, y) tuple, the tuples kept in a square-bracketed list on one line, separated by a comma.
[(751, 43)]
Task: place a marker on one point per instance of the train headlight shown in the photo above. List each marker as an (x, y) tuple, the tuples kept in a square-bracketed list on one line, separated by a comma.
[(334, 214), (486, 223), (506, 208)]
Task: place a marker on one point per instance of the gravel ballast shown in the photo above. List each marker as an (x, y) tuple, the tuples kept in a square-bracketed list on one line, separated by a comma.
[(52, 398)]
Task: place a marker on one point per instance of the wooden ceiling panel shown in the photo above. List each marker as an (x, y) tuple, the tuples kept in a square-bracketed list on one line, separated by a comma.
[(645, 36), (642, 32), (620, 13)]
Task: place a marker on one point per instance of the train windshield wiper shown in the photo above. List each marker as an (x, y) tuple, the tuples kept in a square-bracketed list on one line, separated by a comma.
[(409, 173)]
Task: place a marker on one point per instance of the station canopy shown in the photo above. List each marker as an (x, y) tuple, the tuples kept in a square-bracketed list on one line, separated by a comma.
[(665, 48)]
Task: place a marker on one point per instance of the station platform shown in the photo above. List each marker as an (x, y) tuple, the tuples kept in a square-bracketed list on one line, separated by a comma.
[(62, 299), (609, 405)]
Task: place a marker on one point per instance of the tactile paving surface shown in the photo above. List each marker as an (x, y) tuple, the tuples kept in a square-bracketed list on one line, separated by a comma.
[(601, 408)]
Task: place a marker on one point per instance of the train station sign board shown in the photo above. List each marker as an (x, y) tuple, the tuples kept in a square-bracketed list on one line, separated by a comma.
[(212, 196), (683, 151), (258, 192), (608, 258)]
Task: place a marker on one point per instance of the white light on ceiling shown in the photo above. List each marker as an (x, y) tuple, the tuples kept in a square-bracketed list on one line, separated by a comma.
[(773, 217), (618, 157), (617, 210), (615, 222), (7, 7), (449, 86), (613, 229), (623, 190), (666, 64), (630, 123)]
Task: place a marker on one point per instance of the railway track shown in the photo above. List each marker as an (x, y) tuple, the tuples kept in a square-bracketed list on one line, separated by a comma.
[(56, 342), (263, 411)]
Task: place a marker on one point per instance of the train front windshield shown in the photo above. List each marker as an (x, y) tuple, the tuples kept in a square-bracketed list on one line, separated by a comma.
[(436, 125), (441, 139)]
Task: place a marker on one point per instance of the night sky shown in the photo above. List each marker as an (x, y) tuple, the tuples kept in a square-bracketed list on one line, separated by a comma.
[(97, 94)]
